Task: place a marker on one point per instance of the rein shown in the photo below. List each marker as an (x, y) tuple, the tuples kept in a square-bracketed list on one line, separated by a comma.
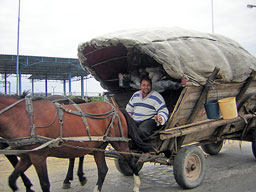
[(10, 106)]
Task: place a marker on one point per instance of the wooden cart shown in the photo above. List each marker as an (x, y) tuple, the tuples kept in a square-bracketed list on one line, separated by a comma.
[(188, 127), (182, 55)]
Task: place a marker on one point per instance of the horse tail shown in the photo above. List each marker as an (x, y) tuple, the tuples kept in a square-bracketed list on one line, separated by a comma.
[(133, 133)]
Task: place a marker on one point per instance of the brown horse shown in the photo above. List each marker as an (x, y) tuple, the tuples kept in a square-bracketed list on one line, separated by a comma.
[(69, 176), (65, 135)]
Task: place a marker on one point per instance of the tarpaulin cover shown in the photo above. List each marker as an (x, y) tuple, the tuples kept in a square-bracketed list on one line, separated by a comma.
[(182, 54)]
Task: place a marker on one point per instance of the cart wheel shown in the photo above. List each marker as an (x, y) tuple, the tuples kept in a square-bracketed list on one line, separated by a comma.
[(212, 148), (123, 167), (189, 167)]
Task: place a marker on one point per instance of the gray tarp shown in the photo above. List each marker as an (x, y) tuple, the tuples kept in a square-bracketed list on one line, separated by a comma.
[(183, 53)]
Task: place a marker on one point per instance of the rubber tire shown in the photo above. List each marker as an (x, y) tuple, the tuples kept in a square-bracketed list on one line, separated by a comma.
[(213, 148), (123, 167), (179, 167)]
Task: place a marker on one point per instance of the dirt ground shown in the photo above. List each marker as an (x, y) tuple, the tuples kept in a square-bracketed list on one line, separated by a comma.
[(57, 169), (224, 173)]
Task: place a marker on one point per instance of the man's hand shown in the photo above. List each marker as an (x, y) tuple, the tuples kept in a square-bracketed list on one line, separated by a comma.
[(158, 119)]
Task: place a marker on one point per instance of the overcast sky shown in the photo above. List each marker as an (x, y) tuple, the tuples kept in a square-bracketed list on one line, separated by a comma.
[(56, 27)]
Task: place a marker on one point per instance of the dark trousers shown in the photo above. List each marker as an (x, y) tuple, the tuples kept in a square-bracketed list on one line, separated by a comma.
[(146, 128)]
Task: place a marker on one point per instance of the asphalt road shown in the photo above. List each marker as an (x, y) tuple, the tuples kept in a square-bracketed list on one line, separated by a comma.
[(233, 170)]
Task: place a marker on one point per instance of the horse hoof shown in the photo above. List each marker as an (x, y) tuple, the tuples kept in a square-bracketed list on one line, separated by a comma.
[(66, 186), (14, 188), (83, 182), (30, 190)]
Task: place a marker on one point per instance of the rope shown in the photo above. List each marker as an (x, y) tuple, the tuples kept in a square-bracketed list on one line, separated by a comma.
[(58, 142), (50, 124), (151, 157), (19, 151), (10, 106), (93, 116), (100, 150)]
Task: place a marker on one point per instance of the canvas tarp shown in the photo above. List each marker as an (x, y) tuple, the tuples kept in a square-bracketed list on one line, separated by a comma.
[(182, 53)]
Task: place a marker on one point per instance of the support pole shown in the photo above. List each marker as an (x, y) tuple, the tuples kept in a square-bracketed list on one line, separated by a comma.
[(82, 87), (64, 87), (212, 17), (69, 83), (46, 86), (20, 82), (86, 87), (5, 83), (33, 87), (18, 89)]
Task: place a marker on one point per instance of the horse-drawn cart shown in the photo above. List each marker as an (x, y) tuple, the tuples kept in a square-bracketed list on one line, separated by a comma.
[(188, 68)]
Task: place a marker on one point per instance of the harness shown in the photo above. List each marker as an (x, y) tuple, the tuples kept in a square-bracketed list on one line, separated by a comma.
[(33, 139)]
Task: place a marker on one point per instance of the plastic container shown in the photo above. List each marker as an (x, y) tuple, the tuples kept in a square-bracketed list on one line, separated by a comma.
[(228, 107), (212, 109)]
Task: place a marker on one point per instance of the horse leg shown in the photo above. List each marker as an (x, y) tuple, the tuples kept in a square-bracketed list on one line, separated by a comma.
[(14, 160), (132, 163), (102, 170), (131, 160), (69, 176), (19, 169), (39, 162), (80, 172)]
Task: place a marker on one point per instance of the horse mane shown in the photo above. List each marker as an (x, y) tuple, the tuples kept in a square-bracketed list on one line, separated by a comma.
[(15, 96), (22, 96), (65, 100), (133, 133)]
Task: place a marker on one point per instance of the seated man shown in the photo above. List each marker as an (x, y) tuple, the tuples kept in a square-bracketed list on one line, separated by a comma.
[(147, 108)]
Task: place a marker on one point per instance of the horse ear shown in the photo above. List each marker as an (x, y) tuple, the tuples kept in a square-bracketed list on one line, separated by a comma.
[(24, 94)]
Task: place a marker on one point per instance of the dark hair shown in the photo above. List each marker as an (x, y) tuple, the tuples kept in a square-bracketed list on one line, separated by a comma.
[(146, 78)]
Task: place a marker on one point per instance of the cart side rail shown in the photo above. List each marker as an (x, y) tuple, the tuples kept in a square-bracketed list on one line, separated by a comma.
[(190, 94)]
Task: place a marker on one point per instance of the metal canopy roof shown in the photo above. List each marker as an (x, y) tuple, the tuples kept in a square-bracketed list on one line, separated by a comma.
[(50, 68)]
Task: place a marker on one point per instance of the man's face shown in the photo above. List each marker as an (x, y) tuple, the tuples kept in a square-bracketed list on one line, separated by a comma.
[(145, 87)]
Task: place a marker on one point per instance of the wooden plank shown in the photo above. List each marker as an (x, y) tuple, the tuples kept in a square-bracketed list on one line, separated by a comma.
[(189, 102), (186, 112), (184, 126), (186, 102), (177, 107), (188, 129), (245, 87), (195, 89), (219, 86), (239, 97), (195, 137), (229, 91)]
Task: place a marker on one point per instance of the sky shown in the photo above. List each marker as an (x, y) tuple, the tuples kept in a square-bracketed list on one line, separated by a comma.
[(55, 28)]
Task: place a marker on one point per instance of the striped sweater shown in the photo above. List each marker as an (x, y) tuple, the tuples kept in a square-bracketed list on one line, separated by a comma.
[(142, 109)]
